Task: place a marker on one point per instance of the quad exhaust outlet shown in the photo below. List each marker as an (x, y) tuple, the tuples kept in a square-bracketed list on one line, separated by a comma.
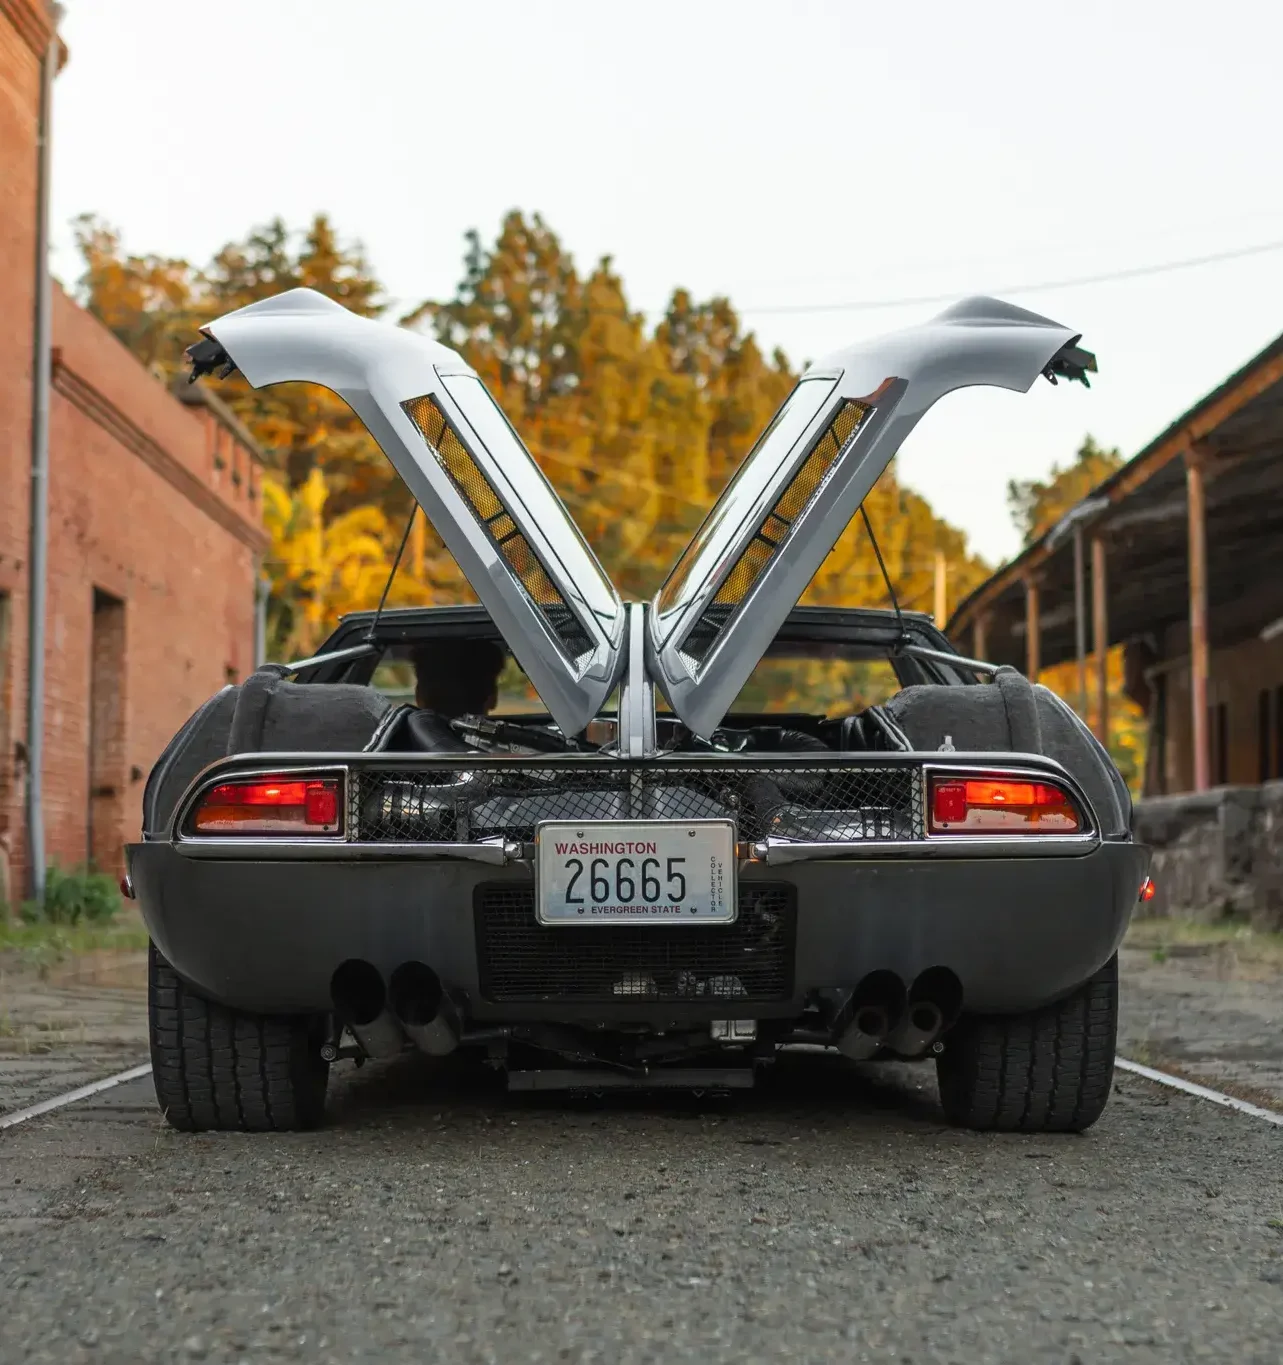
[(413, 1007), (883, 1016)]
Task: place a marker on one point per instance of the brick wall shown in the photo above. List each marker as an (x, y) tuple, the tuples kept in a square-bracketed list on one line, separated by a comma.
[(154, 538), (19, 112), (144, 526)]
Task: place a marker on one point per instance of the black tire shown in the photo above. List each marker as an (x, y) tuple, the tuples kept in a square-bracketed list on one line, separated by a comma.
[(1049, 1071), (217, 1068)]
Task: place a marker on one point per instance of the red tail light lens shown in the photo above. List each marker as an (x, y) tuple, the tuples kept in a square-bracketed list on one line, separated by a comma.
[(271, 805), (1001, 805), (1147, 889)]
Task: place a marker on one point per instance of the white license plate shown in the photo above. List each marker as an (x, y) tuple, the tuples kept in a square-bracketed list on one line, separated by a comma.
[(636, 872)]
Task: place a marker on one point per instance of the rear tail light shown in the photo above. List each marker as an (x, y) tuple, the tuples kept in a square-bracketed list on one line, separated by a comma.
[(271, 805), (1001, 805), (1148, 889)]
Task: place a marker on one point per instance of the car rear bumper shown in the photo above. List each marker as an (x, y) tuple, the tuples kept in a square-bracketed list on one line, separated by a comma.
[(267, 935)]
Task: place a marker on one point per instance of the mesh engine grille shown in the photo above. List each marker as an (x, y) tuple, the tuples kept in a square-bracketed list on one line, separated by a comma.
[(455, 459), (751, 959), (792, 502), (818, 804)]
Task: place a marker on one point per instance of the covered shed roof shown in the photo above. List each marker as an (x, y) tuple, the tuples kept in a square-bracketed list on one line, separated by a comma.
[(1140, 515)]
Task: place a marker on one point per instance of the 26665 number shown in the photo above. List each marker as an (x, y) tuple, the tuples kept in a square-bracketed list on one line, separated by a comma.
[(626, 881)]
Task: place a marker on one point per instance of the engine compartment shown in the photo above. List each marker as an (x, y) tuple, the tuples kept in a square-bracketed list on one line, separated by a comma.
[(869, 731)]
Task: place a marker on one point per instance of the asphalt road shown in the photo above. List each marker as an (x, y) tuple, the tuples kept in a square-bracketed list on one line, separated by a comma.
[(826, 1216)]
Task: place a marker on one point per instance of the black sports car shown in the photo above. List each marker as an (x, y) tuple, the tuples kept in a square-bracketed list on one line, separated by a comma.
[(651, 874)]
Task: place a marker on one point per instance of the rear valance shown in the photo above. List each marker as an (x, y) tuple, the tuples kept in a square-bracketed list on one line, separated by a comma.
[(805, 479), (489, 501)]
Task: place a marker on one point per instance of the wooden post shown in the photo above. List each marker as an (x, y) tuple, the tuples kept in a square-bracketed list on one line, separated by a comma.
[(979, 642), (1100, 637), (1198, 653), (1080, 619), (942, 590), (1033, 631)]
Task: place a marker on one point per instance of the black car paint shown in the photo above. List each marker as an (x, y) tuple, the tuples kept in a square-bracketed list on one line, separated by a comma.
[(266, 935)]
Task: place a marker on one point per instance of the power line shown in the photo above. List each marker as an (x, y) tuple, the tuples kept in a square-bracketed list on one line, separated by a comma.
[(1135, 272)]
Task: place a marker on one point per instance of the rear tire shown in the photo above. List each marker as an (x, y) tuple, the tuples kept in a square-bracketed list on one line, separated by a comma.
[(1048, 1071), (221, 1069)]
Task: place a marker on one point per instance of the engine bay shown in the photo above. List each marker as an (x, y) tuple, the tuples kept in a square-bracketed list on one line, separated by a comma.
[(869, 731)]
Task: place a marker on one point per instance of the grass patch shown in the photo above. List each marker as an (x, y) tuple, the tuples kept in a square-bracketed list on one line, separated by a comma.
[(1164, 938), (77, 895), (38, 947)]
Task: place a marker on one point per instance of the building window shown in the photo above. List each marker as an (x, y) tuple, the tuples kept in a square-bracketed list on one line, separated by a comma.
[(1264, 747), (1218, 743), (6, 728), (1278, 732), (106, 732)]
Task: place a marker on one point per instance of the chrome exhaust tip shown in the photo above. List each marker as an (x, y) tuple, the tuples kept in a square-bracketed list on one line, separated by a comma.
[(360, 1002), (934, 1003), (424, 1010), (916, 1029), (866, 1021), (864, 1035)]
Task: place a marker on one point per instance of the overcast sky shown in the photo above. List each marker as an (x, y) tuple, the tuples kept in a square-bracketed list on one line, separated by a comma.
[(781, 154)]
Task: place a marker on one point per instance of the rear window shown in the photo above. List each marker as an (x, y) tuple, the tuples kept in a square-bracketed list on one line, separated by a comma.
[(821, 686), (819, 683), (394, 677)]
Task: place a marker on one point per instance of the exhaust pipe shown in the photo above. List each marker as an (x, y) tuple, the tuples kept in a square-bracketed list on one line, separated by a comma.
[(864, 1034), (425, 1011), (876, 1001), (935, 1001), (360, 1001), (916, 1029)]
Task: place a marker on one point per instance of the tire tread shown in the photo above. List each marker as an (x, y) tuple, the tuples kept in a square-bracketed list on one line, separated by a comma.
[(1048, 1071), (221, 1069)]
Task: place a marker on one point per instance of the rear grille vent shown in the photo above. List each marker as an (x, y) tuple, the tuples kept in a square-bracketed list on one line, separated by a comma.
[(797, 496), (522, 960), (456, 460), (816, 804)]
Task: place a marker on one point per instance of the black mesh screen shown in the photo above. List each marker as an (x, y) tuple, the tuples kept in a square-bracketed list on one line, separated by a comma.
[(521, 959), (831, 804), (455, 459), (796, 497)]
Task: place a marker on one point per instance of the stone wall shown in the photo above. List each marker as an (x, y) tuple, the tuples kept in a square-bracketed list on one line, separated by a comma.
[(1217, 855)]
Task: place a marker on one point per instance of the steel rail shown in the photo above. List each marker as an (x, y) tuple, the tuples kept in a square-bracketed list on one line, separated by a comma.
[(81, 1092), (1148, 1073)]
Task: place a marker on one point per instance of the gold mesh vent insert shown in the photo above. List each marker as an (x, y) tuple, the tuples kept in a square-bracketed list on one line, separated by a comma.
[(797, 496), (454, 457)]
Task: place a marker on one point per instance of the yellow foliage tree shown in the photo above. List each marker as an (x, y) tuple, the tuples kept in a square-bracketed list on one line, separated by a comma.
[(329, 490), (638, 428)]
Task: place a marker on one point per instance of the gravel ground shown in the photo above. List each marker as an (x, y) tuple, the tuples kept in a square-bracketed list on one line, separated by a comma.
[(829, 1215), (1208, 1016), (83, 1019)]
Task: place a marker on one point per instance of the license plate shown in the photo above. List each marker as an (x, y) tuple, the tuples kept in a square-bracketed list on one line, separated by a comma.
[(636, 872)]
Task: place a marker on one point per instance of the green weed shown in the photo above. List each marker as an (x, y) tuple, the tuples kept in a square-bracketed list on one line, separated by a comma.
[(75, 896)]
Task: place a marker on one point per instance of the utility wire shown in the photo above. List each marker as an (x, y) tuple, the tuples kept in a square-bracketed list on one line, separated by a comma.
[(1135, 272)]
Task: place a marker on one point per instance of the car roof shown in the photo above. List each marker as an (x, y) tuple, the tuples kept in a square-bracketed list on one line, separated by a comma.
[(472, 619)]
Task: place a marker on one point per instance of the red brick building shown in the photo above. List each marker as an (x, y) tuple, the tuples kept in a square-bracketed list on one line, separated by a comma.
[(154, 533)]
